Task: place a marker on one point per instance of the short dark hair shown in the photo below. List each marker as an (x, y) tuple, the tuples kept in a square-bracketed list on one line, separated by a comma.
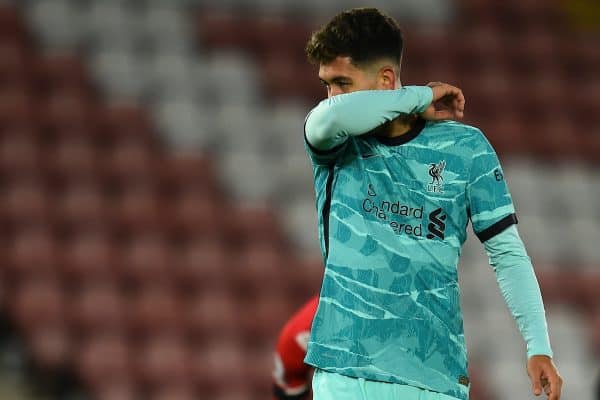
[(363, 34)]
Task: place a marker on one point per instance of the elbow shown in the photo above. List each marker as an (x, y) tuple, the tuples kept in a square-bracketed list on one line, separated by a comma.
[(321, 126)]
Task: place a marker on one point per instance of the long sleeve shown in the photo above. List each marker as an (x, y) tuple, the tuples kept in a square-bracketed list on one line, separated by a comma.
[(332, 121), (520, 288)]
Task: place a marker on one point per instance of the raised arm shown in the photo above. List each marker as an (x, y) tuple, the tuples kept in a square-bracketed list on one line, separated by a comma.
[(333, 120)]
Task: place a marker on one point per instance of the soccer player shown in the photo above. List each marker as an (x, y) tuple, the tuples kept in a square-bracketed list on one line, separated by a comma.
[(394, 194)]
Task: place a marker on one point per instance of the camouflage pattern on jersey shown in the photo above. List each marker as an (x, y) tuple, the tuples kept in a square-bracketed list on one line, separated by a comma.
[(392, 219)]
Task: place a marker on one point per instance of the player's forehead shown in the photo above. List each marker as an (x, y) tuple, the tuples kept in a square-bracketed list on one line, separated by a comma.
[(340, 67)]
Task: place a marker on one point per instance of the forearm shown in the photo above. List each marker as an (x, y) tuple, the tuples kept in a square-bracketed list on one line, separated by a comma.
[(331, 122), (520, 289)]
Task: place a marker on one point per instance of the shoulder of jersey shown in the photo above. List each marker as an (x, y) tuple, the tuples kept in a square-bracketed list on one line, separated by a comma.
[(457, 129)]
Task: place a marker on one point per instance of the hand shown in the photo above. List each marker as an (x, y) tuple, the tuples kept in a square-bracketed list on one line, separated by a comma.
[(448, 103), (544, 376)]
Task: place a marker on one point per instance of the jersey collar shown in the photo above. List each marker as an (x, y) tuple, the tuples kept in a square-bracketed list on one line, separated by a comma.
[(407, 137)]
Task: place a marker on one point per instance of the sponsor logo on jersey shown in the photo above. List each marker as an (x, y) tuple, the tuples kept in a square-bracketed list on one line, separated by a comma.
[(437, 224)]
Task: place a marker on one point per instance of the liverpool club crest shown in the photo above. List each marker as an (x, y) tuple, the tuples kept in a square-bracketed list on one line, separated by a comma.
[(437, 179)]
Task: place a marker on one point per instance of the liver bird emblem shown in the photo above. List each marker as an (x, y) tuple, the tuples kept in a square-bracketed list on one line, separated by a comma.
[(435, 171)]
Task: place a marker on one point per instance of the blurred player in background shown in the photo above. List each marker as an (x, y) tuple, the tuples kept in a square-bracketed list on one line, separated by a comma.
[(291, 375), (394, 196)]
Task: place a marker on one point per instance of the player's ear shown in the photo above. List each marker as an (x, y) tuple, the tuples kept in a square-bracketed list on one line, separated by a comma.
[(386, 78)]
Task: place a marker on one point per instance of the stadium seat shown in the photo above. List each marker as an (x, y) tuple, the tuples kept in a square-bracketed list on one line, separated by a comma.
[(33, 251), (105, 364), (243, 223), (304, 279), (258, 368), (195, 212), (555, 138), (89, 255), (124, 390), (202, 262), (73, 154), (138, 207), (175, 74), (270, 310), (50, 347), (165, 26), (537, 51), (193, 172), (19, 153), (68, 109), (81, 205), (119, 73), (56, 24), (11, 24), (237, 76), (37, 302), (17, 108), (215, 359), (300, 217), (15, 64), (25, 202), (121, 120), (146, 258), (211, 313), (189, 124), (175, 392), (164, 362), (109, 25), (259, 262), (61, 71), (97, 307), (154, 309)]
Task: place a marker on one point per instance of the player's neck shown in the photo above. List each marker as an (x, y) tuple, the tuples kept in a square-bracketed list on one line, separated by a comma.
[(400, 126)]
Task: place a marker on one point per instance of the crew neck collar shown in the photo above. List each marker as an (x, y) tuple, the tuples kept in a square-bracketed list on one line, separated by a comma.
[(407, 137)]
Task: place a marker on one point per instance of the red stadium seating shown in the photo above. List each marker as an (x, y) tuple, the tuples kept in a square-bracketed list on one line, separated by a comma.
[(154, 309), (89, 255), (105, 364), (97, 307), (36, 303), (210, 313), (132, 268), (59, 72), (202, 263), (164, 362), (25, 202), (32, 252), (146, 259)]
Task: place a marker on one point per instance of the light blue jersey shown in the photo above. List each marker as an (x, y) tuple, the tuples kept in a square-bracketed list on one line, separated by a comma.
[(392, 218)]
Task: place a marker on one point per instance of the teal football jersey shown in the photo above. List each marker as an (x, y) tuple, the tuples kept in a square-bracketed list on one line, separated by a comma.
[(392, 216)]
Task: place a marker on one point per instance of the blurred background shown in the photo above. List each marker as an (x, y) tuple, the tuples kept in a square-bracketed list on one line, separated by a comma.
[(157, 213)]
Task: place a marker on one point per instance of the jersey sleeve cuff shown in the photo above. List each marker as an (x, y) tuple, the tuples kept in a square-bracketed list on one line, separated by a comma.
[(424, 95), (497, 227), (540, 352), (319, 152), (323, 157)]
